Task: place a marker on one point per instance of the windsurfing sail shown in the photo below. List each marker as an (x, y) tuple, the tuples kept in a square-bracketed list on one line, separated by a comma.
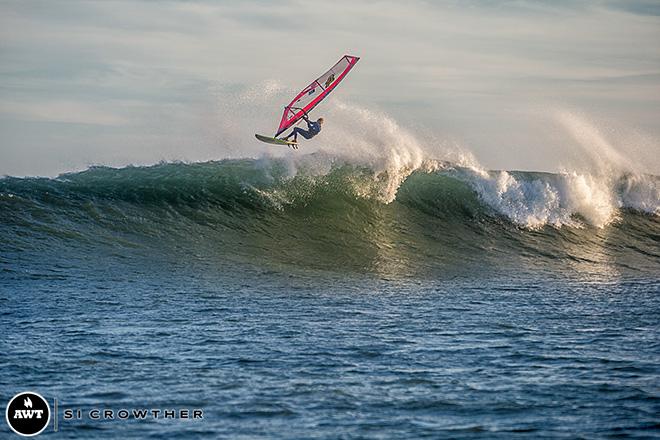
[(314, 93)]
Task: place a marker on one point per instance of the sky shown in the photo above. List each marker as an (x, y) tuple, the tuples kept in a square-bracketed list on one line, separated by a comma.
[(137, 82)]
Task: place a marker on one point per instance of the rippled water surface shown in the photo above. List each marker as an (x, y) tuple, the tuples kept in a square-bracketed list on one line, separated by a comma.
[(326, 315), (290, 356)]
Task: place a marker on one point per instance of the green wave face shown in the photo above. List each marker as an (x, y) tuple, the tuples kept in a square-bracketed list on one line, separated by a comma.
[(441, 222)]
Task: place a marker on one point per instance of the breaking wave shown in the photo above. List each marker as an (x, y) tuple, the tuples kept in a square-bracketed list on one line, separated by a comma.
[(327, 211), (379, 202)]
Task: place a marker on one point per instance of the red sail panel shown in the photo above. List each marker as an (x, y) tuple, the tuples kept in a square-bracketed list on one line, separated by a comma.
[(315, 92)]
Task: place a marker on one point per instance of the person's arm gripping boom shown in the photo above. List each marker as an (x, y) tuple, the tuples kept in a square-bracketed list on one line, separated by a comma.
[(306, 118)]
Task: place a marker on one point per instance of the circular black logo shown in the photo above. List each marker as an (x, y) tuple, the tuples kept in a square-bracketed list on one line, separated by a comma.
[(28, 414)]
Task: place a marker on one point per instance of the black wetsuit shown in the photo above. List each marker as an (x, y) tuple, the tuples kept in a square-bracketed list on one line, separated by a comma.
[(313, 128)]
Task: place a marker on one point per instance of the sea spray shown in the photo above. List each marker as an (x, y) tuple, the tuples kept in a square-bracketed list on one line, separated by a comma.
[(368, 140), (640, 192), (609, 180), (591, 192), (375, 140), (534, 200), (329, 213), (383, 154)]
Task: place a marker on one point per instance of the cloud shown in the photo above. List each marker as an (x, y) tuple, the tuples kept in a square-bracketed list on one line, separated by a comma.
[(475, 70), (61, 111)]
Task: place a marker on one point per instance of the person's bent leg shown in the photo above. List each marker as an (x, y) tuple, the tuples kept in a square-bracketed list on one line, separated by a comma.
[(304, 133), (293, 133), (299, 131)]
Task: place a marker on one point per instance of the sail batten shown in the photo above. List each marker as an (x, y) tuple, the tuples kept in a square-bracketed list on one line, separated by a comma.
[(315, 92)]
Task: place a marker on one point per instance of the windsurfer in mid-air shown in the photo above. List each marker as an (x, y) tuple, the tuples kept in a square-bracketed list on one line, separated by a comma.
[(305, 102), (313, 128)]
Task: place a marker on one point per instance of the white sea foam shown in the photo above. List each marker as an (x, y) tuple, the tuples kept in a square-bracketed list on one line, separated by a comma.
[(592, 192), (367, 139), (640, 192), (589, 191), (547, 199)]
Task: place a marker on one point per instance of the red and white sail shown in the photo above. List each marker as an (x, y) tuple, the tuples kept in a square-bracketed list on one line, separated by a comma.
[(315, 92)]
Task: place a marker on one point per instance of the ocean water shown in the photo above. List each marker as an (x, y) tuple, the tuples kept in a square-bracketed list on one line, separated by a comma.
[(327, 298)]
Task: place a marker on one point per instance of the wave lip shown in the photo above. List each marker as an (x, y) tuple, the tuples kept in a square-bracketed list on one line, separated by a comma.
[(528, 199), (333, 214), (534, 200)]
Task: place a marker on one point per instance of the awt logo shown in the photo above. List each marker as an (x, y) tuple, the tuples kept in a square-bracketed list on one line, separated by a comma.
[(28, 414)]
